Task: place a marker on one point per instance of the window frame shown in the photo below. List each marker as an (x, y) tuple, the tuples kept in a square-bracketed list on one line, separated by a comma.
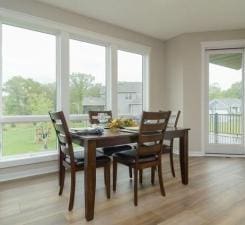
[(63, 33)]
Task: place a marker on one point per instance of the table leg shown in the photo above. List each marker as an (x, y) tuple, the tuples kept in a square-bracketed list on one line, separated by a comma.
[(184, 157), (89, 178)]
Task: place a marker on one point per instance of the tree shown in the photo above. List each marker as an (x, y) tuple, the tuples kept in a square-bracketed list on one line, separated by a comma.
[(235, 91), (27, 97), (215, 91), (82, 85)]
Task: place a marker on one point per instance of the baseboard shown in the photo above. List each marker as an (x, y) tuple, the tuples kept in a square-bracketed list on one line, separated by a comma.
[(191, 153), (17, 172)]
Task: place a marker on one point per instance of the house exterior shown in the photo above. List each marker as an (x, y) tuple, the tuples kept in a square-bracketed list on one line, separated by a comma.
[(225, 106), (129, 99)]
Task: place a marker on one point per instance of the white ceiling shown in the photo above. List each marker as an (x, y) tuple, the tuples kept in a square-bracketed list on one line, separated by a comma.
[(162, 19)]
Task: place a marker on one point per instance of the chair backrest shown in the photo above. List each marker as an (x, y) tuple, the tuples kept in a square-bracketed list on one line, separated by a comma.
[(174, 118), (63, 134), (94, 116), (151, 133)]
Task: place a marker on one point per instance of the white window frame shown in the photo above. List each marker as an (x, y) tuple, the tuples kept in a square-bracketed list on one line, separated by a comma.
[(63, 33)]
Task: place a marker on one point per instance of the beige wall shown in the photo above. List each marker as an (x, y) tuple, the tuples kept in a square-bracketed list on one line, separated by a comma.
[(183, 77), (62, 16)]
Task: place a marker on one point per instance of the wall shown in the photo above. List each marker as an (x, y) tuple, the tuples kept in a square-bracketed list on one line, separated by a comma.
[(183, 75)]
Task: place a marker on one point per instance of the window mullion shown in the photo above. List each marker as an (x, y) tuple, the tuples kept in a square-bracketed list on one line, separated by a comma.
[(113, 80), (1, 93), (63, 73)]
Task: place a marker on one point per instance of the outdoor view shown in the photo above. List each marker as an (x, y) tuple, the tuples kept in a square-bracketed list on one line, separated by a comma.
[(129, 90), (29, 87), (225, 98)]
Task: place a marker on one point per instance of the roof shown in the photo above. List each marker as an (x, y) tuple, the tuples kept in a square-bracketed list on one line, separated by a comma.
[(225, 103)]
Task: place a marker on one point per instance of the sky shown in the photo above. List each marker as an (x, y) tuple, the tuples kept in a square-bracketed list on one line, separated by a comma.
[(223, 76), (32, 54)]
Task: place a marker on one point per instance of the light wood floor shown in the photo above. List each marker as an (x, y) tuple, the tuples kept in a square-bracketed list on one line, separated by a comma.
[(215, 195)]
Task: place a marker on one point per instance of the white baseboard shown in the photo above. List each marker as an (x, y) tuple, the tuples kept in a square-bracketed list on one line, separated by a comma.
[(191, 153), (16, 172)]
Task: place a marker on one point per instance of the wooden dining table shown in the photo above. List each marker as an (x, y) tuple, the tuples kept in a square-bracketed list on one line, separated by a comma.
[(121, 137)]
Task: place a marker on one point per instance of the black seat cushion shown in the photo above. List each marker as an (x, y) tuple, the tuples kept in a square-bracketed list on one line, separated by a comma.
[(130, 155), (115, 149), (79, 157)]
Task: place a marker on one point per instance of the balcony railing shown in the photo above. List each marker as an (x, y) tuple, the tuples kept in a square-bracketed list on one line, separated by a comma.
[(225, 128)]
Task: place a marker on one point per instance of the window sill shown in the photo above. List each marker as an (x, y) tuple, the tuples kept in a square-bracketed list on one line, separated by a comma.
[(12, 161)]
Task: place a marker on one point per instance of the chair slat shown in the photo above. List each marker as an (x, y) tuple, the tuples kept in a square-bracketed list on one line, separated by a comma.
[(153, 149), (155, 115), (150, 137), (148, 127)]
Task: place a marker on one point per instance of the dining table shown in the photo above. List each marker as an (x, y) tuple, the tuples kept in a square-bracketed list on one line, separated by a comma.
[(111, 138)]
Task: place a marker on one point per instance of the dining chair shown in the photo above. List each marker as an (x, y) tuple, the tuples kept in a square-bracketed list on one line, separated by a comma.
[(168, 147), (148, 151), (74, 160)]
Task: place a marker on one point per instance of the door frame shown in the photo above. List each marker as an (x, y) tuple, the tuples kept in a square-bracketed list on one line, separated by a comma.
[(214, 45)]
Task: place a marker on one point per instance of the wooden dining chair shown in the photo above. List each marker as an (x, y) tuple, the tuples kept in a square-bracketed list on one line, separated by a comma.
[(68, 159), (148, 151), (169, 144)]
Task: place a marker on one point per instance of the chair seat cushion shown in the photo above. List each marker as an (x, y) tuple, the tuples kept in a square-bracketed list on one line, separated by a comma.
[(79, 157), (115, 149), (130, 156)]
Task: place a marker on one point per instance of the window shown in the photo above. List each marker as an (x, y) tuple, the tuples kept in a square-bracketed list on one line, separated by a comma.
[(130, 85), (87, 77), (28, 89), (45, 68)]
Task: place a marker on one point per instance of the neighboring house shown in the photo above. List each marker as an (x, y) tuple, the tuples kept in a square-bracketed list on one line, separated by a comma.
[(93, 103), (225, 106), (129, 99)]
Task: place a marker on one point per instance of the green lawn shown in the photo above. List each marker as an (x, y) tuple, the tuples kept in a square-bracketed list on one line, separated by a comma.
[(22, 138)]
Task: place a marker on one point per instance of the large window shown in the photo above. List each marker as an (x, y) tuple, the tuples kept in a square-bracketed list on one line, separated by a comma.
[(45, 68), (130, 86), (28, 89)]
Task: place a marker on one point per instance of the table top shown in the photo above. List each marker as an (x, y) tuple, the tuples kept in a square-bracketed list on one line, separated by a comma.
[(122, 133)]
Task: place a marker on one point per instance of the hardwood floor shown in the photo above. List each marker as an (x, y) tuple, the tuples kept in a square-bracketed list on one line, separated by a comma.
[(215, 195)]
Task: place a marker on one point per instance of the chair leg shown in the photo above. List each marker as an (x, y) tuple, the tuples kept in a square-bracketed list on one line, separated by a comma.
[(130, 172), (73, 185), (61, 178), (107, 180), (141, 176), (114, 174), (135, 186), (160, 178), (153, 169), (172, 162)]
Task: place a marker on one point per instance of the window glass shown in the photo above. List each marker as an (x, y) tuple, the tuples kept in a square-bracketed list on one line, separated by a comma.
[(29, 78), (23, 138), (129, 92), (87, 77)]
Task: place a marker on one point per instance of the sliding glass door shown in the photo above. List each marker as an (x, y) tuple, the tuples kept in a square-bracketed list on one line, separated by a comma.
[(224, 111)]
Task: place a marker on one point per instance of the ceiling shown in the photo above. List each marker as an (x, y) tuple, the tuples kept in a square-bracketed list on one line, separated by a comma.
[(162, 19)]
